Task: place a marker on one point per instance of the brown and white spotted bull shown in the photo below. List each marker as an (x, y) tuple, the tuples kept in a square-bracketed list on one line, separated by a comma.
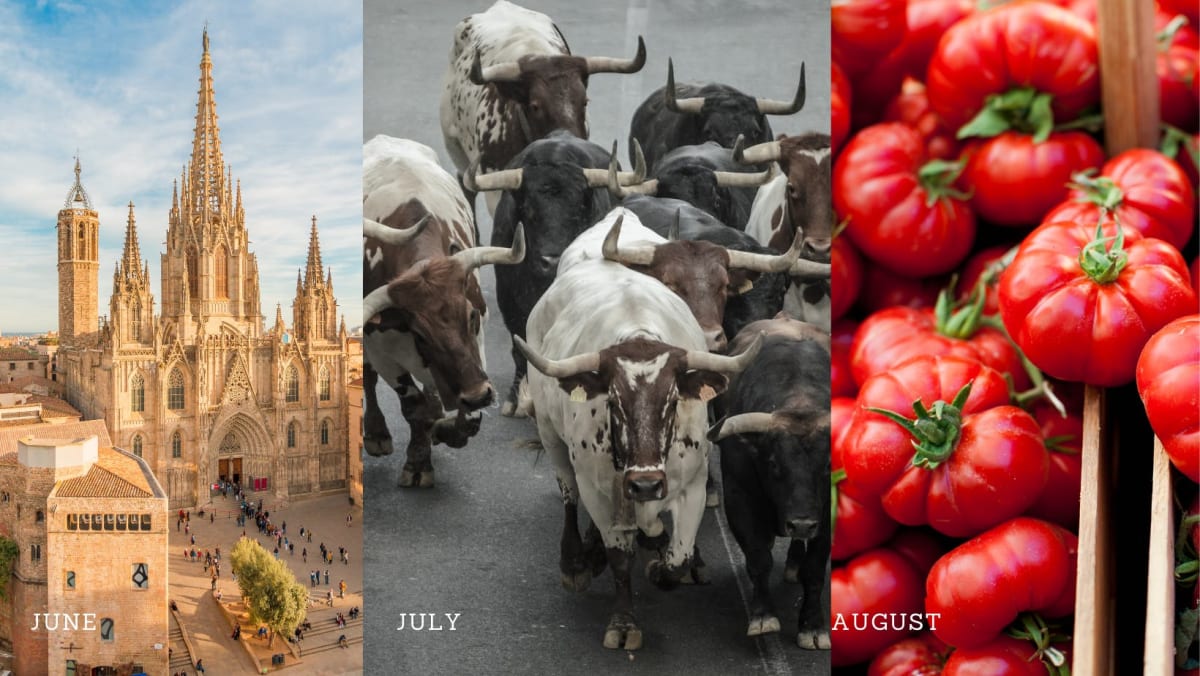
[(798, 201), (620, 379), (423, 308), (512, 79)]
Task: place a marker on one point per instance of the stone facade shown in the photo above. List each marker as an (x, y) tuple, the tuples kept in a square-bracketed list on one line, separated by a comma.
[(90, 524), (201, 390)]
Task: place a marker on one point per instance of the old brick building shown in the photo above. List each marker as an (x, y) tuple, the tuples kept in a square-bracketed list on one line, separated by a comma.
[(90, 526), (203, 390)]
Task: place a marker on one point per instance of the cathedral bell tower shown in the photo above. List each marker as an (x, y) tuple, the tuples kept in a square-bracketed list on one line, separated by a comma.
[(132, 304), (78, 264)]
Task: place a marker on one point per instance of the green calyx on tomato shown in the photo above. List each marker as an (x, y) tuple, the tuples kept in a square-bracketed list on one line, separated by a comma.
[(960, 320), (1175, 139), (1100, 191), (937, 178), (1187, 569), (1166, 36), (1024, 109), (935, 433), (1101, 263), (836, 477), (1032, 627)]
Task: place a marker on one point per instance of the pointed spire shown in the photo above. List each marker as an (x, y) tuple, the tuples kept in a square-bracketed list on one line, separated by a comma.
[(207, 165), (278, 316), (131, 257), (77, 197), (312, 269), (299, 282)]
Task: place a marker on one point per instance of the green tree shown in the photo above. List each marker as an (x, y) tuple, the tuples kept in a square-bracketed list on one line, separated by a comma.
[(270, 590), (8, 556)]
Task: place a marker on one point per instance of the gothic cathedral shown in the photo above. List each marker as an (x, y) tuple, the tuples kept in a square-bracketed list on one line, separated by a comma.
[(201, 390)]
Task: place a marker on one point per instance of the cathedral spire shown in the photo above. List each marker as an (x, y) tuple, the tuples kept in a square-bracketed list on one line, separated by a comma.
[(131, 257), (77, 198), (312, 270), (207, 166)]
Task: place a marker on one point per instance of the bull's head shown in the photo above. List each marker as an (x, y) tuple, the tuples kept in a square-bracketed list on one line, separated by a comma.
[(701, 273), (439, 301), (551, 90), (808, 206), (723, 118), (791, 454), (643, 382)]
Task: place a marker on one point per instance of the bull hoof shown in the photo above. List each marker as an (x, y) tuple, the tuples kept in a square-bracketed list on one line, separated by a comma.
[(813, 640), (712, 498), (622, 633), (426, 480), (378, 447), (791, 573), (576, 582), (765, 624), (696, 575), (448, 432), (659, 574), (410, 477)]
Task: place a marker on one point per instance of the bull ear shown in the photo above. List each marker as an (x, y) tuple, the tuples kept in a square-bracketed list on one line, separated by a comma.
[(741, 281), (584, 386), (702, 385)]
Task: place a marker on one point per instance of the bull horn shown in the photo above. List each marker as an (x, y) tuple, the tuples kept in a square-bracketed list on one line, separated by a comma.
[(767, 262), (773, 107), (478, 256), (598, 178), (759, 153), (740, 179), (707, 361), (809, 271), (505, 179), (641, 255), (376, 302), (606, 64), (509, 71), (621, 191), (558, 368), (394, 236), (673, 231), (689, 105), (744, 423)]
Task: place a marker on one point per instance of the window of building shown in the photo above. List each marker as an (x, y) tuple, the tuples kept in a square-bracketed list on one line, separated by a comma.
[(291, 435), (293, 385), (29, 366), (85, 522), (323, 384), (193, 275), (35, 553), (135, 320), (324, 432), (221, 264), (72, 522), (137, 393), (137, 445), (71, 668), (39, 516), (141, 576), (110, 522), (106, 629), (12, 366), (69, 578), (121, 523), (176, 445), (145, 522), (175, 390)]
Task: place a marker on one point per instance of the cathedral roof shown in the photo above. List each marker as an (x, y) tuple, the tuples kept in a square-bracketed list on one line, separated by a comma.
[(115, 475), (71, 430)]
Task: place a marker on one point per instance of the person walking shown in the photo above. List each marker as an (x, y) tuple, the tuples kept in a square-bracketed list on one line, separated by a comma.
[(329, 597), (200, 666), (304, 554), (326, 576), (342, 589)]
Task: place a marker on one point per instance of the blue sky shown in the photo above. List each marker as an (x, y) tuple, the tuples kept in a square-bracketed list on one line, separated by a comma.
[(117, 81)]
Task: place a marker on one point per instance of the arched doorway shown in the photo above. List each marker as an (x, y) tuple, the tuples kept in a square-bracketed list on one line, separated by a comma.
[(229, 459), (240, 450)]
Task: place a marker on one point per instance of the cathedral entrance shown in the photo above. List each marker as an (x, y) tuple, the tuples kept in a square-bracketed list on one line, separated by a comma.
[(230, 469)]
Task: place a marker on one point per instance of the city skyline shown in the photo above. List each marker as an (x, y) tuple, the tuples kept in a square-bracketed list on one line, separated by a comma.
[(118, 87)]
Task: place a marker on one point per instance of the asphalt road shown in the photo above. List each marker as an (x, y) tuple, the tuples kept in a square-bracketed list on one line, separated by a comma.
[(484, 541)]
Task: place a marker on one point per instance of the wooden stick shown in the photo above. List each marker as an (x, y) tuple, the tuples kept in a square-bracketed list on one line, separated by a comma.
[(1095, 593), (1160, 587), (1128, 85)]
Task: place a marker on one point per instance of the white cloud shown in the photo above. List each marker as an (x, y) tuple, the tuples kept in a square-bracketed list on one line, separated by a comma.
[(288, 82)]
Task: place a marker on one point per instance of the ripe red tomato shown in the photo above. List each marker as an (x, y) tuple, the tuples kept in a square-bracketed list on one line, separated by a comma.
[(1195, 268), (1059, 503), (919, 545), (1176, 65), (1019, 45), (892, 336), (864, 31), (874, 583), (902, 209), (983, 584), (1168, 381), (979, 461), (884, 289), (846, 280), (841, 380), (921, 655), (1146, 191), (1002, 656), (860, 522), (1079, 313), (840, 100), (911, 106), (975, 267), (1188, 8), (1015, 181)]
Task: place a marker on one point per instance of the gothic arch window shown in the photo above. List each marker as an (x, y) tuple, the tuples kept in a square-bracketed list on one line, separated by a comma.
[(193, 274), (291, 435), (137, 445), (292, 394), (221, 261), (176, 445), (135, 320), (323, 384), (325, 432), (175, 390), (137, 393)]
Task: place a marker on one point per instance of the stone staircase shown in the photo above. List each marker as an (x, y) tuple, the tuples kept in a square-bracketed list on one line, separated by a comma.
[(324, 633), (181, 658)]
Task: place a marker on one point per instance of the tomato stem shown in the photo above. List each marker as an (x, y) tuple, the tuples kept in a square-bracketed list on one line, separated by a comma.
[(1023, 109), (1101, 263), (935, 433), (937, 178), (1055, 444), (1041, 386), (1175, 138), (1165, 36), (960, 320), (1032, 627), (1101, 191), (836, 477)]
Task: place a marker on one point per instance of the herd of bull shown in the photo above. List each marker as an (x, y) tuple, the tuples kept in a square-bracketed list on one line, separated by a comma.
[(665, 308)]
